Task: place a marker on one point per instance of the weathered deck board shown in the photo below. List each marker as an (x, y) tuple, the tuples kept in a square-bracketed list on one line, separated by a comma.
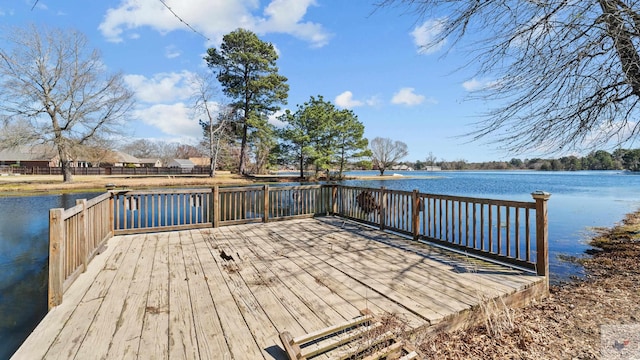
[(175, 295)]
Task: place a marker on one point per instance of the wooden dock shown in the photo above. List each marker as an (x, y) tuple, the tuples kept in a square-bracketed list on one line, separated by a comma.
[(227, 292)]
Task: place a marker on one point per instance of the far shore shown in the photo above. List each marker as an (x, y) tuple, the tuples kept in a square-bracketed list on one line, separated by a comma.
[(21, 185)]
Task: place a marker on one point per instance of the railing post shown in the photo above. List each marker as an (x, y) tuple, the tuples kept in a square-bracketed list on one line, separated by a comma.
[(56, 257), (265, 216), (84, 233), (112, 213), (383, 206), (334, 199), (216, 207), (542, 233), (415, 214)]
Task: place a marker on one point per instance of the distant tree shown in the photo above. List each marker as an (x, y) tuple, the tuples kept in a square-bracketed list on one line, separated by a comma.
[(565, 73), (184, 151), (419, 165), (215, 115), (246, 68), (516, 163), (431, 159), (311, 132), (52, 80), (350, 140), (386, 152), (631, 160), (141, 148), (264, 141)]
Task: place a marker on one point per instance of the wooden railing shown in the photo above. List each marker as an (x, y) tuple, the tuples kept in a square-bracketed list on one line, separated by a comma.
[(75, 237), (511, 232)]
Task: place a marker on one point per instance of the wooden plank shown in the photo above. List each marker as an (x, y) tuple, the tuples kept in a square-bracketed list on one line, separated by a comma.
[(287, 297), (209, 334), (282, 263), (109, 316), (43, 336), (255, 299), (431, 306), (345, 286), (126, 338), (154, 339), (240, 340), (425, 262), (318, 299), (182, 341)]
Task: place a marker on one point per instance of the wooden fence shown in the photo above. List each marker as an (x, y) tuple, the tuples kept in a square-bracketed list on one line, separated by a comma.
[(511, 232)]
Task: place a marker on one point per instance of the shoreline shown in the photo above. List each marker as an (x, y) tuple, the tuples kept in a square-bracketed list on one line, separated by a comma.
[(28, 185)]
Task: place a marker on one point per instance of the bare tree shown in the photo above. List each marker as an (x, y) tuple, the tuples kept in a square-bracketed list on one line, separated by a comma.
[(431, 159), (386, 152), (214, 125), (142, 148), (52, 80), (566, 74)]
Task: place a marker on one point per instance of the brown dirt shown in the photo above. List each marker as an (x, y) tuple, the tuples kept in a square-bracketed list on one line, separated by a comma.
[(566, 325)]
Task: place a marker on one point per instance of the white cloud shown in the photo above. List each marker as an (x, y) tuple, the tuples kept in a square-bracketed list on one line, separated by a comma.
[(406, 96), (425, 35), (171, 119), (162, 87), (273, 119), (171, 52), (478, 84), (346, 101), (214, 18)]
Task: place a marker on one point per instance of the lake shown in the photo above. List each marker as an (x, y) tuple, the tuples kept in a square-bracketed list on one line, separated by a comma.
[(24, 251), (579, 200)]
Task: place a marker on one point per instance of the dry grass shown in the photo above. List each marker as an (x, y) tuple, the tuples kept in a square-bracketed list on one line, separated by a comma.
[(30, 184)]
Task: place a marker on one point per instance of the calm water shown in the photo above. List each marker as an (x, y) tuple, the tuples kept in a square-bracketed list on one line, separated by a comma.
[(579, 200), (24, 251)]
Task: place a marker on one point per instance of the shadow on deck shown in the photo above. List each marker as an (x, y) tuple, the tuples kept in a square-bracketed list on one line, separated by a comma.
[(226, 293)]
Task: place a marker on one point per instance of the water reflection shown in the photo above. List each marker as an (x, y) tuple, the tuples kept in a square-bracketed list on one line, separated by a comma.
[(24, 244)]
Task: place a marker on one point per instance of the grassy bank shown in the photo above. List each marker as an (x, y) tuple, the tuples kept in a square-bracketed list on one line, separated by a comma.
[(42, 184), (567, 324)]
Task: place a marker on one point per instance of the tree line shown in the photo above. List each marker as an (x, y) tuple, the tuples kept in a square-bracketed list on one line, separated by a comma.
[(620, 159)]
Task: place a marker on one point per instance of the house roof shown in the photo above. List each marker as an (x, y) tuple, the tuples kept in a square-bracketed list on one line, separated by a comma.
[(148, 160), (28, 153), (126, 158), (183, 162)]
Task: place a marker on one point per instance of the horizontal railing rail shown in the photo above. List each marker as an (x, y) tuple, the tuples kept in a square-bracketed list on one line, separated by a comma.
[(512, 232), (161, 210)]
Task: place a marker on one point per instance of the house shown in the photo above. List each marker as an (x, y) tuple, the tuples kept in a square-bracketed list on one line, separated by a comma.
[(36, 156), (150, 162), (402, 167), (124, 160), (185, 164)]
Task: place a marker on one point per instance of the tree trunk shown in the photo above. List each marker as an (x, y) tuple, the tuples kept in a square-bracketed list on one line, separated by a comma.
[(301, 166), (243, 149), (625, 47)]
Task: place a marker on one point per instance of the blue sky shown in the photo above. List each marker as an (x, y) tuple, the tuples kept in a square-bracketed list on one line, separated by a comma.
[(359, 57)]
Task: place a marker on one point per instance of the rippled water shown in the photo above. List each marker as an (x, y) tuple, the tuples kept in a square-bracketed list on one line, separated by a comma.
[(24, 251), (579, 200)]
